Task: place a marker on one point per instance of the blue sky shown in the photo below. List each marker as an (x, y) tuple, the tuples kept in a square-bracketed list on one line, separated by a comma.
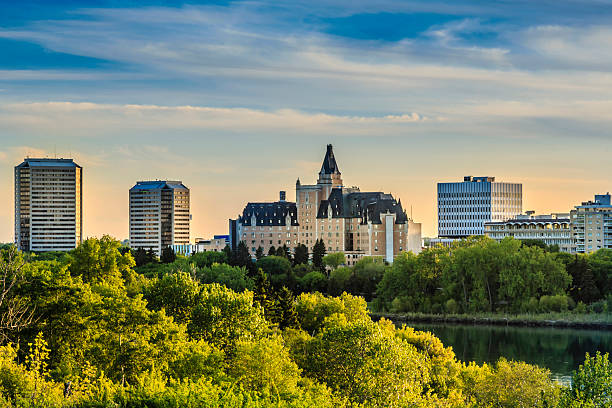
[(239, 98)]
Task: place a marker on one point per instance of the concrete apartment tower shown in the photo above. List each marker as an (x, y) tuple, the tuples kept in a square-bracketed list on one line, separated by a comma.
[(159, 215), (591, 225), (48, 205)]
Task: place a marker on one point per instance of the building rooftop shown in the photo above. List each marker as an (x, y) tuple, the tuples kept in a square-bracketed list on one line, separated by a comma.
[(158, 185), (46, 162)]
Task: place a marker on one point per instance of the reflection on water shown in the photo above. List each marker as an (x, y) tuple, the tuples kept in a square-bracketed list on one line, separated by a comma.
[(559, 350)]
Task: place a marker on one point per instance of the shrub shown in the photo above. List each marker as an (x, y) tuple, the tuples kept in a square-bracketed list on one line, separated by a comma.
[(451, 306), (556, 303), (531, 306), (581, 308)]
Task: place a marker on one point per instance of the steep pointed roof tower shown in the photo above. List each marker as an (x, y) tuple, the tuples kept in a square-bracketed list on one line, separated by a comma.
[(329, 162), (330, 174)]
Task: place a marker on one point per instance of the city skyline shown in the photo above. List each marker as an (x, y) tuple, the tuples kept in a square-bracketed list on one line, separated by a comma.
[(236, 99)]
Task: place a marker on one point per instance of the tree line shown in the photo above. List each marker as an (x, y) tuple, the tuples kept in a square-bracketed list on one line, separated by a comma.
[(102, 334)]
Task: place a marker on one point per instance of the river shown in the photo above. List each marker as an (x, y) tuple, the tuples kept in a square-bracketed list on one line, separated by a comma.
[(558, 349)]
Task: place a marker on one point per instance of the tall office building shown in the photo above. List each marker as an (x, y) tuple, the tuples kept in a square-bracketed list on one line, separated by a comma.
[(591, 225), (48, 205), (159, 215), (464, 207)]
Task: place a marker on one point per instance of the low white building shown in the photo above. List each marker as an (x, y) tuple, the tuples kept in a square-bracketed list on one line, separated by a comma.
[(552, 229)]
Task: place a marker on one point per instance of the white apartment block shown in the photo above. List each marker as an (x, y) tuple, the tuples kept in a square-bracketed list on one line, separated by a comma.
[(48, 205), (159, 215), (591, 225), (552, 229), (464, 207)]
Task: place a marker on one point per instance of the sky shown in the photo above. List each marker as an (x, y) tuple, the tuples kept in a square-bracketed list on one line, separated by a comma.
[(239, 98)]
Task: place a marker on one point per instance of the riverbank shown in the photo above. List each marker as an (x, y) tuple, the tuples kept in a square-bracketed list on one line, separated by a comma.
[(600, 321)]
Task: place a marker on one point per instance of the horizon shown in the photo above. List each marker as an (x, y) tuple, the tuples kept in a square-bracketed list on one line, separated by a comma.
[(238, 100)]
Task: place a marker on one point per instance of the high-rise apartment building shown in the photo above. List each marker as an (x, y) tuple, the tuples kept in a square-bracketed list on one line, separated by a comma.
[(591, 225), (346, 219), (159, 215), (48, 205), (464, 207)]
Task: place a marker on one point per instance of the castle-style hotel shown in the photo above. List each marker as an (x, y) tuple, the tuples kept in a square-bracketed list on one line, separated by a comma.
[(346, 219)]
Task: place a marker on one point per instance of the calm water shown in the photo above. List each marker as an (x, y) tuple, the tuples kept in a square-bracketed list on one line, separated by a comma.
[(559, 350)]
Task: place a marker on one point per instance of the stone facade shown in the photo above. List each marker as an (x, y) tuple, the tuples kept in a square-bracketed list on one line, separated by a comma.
[(346, 219)]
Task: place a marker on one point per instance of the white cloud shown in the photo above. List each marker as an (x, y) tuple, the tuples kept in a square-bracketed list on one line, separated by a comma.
[(100, 117)]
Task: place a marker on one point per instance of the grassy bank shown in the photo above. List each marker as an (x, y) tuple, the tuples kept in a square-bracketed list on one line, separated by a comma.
[(602, 321)]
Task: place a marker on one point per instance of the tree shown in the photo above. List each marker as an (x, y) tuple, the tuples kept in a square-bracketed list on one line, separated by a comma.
[(15, 312), (208, 258), (591, 384), (279, 271), (97, 260), (227, 250), (178, 293), (314, 281), (331, 359), (167, 255), (223, 317), (287, 315), (265, 366), (272, 251), (583, 287), (367, 272), (280, 251), (318, 252), (259, 253), (263, 295), (300, 255), (334, 260), (233, 277), (241, 257), (141, 257)]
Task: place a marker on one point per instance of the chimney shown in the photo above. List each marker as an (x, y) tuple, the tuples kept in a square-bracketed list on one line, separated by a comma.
[(283, 196)]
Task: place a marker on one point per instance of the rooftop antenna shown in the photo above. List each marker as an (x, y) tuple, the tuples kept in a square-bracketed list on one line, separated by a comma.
[(55, 151)]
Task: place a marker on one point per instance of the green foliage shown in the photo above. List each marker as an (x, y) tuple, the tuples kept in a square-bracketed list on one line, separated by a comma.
[(314, 308), (233, 277), (259, 253), (509, 384), (591, 384), (278, 269), (265, 366), (208, 258), (178, 293), (97, 260), (556, 303), (318, 252), (106, 336), (167, 255), (300, 255), (334, 259), (313, 282), (331, 358), (223, 317), (286, 314)]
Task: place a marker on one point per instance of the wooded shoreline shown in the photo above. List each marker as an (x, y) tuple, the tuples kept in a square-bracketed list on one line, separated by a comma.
[(502, 320)]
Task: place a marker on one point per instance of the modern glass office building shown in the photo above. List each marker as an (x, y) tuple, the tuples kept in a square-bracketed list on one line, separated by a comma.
[(464, 207), (48, 205)]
